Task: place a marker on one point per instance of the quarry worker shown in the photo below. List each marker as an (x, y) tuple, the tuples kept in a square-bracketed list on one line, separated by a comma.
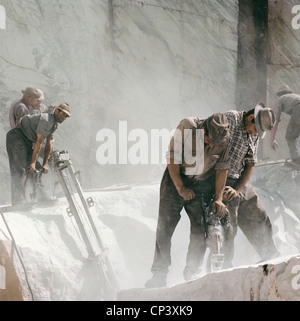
[(245, 207), (289, 103), (29, 104), (19, 141), (181, 187)]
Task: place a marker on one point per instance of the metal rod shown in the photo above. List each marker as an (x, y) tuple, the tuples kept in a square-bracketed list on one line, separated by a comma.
[(83, 200), (63, 162), (74, 211)]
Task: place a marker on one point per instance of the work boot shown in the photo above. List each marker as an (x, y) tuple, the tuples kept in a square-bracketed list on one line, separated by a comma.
[(158, 280)]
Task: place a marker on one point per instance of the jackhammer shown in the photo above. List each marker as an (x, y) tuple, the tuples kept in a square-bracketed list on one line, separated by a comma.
[(216, 230)]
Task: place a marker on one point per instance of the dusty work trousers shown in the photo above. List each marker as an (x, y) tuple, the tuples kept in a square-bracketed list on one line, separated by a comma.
[(293, 132), (19, 150), (170, 206), (247, 213)]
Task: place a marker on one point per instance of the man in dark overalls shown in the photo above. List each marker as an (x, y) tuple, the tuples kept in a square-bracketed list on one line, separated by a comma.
[(182, 186), (19, 141)]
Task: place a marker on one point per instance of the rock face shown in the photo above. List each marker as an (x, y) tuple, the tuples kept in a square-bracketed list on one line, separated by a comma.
[(149, 63), (272, 281)]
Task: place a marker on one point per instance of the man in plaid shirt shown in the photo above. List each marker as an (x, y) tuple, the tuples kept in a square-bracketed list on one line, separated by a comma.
[(245, 207)]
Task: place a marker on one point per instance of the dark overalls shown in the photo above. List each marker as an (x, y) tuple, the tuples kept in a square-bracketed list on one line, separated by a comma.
[(247, 212), (170, 206), (19, 150)]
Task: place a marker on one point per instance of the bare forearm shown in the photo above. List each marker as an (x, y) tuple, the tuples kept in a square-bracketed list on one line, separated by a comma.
[(47, 152), (221, 176), (36, 151), (174, 171), (246, 175), (273, 131)]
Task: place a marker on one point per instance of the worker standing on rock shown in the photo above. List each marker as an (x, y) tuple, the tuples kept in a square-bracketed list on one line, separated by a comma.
[(29, 104), (22, 157), (289, 103), (245, 207), (182, 187)]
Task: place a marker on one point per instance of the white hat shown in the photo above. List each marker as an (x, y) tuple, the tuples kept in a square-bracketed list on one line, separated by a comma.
[(264, 120), (283, 90), (36, 93)]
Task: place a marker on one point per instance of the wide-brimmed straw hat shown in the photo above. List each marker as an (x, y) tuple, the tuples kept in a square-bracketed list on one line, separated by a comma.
[(264, 120), (65, 108)]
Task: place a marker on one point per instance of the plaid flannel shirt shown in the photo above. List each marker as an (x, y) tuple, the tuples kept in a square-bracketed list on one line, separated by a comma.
[(242, 146)]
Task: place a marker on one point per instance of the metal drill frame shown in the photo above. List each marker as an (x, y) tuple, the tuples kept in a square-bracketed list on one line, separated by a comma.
[(61, 161)]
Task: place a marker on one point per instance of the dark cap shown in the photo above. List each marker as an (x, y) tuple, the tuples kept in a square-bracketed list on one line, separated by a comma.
[(217, 129)]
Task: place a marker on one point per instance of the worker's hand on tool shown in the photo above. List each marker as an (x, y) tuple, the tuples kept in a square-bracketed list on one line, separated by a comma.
[(274, 145), (45, 169), (229, 194), (31, 168), (186, 193), (219, 208)]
